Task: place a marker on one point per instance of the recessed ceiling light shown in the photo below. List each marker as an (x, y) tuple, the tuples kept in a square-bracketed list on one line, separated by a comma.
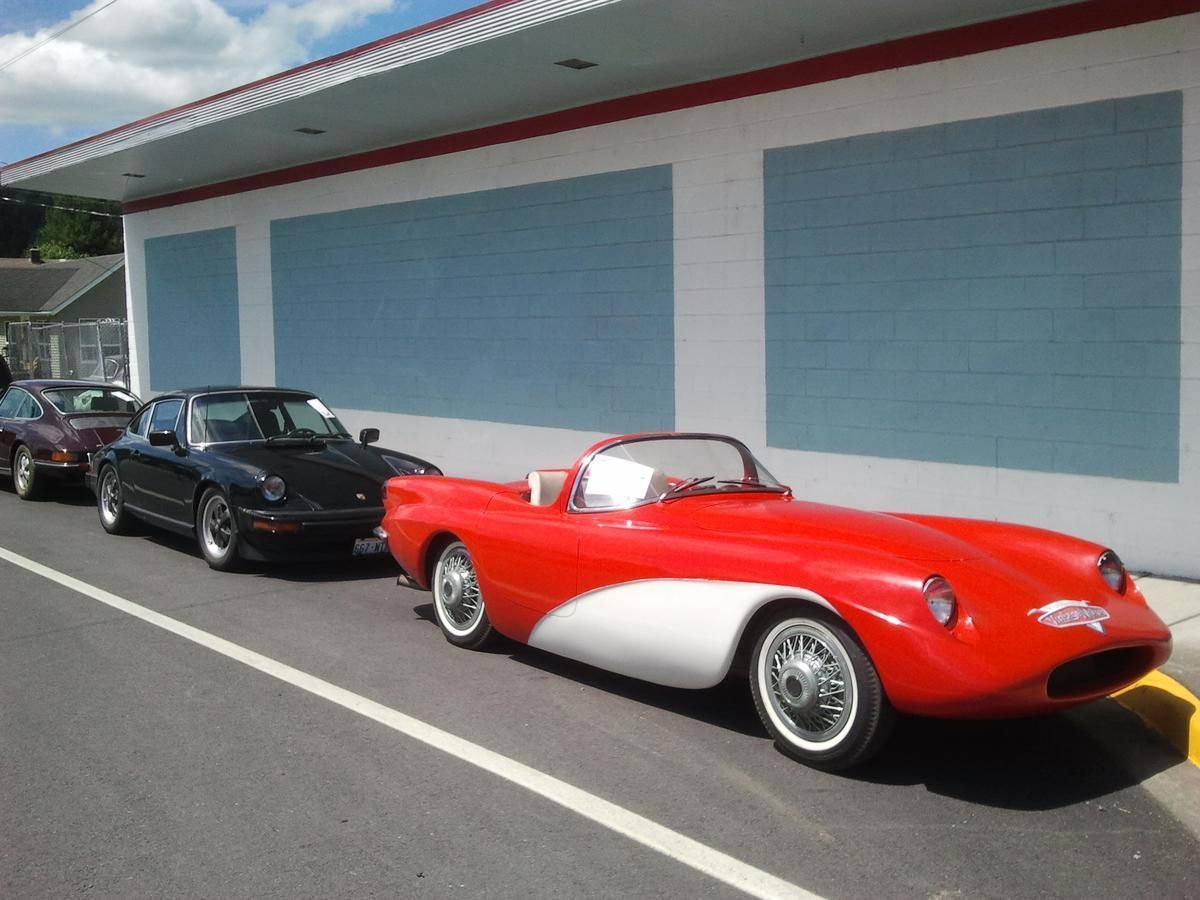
[(574, 63), (310, 130), (132, 175)]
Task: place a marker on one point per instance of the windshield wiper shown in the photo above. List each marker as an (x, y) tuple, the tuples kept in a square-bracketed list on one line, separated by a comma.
[(685, 485), (758, 485), (296, 434)]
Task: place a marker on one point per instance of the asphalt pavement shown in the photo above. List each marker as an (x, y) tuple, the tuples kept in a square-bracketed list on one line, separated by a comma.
[(1167, 699), (142, 761)]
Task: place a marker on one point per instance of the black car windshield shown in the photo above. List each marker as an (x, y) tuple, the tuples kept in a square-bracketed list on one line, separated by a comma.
[(261, 415), (645, 470), (92, 399)]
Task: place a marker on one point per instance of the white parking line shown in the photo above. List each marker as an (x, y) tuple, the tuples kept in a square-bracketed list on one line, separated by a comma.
[(638, 828)]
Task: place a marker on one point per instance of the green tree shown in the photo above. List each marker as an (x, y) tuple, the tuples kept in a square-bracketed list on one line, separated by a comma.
[(87, 229)]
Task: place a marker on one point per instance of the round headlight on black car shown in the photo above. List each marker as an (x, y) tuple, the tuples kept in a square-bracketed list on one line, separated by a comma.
[(939, 597), (1112, 570), (403, 466), (273, 488)]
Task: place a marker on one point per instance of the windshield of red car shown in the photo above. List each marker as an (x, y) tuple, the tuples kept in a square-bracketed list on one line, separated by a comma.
[(645, 470), (92, 399)]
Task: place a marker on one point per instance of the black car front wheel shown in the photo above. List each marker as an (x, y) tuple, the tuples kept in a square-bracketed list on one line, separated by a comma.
[(216, 530), (110, 502), (817, 692)]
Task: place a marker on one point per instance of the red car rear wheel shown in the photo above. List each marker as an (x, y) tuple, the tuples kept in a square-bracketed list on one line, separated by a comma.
[(457, 600)]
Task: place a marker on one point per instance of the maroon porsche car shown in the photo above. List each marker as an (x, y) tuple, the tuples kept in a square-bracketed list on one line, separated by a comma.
[(49, 428)]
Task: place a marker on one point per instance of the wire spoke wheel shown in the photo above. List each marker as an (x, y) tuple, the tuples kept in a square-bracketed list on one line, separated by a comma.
[(809, 688), (458, 590), (817, 691), (457, 599)]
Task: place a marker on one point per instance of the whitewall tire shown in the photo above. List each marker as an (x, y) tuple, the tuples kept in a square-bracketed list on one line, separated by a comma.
[(817, 692)]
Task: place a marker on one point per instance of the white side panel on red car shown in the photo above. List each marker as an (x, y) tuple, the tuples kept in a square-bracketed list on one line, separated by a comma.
[(676, 632)]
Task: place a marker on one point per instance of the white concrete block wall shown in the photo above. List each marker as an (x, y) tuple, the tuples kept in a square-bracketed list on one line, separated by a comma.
[(716, 152)]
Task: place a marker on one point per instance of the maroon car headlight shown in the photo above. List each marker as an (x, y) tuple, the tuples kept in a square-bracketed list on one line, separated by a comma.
[(1112, 570), (273, 488), (939, 597)]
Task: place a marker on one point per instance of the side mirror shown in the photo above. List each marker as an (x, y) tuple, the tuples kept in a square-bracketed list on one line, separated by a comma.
[(165, 438), (368, 436)]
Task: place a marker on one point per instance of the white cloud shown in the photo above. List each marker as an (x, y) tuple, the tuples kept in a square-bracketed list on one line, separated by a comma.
[(142, 56)]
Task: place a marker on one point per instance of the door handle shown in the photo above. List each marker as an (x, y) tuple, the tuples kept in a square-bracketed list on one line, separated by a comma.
[(136, 454)]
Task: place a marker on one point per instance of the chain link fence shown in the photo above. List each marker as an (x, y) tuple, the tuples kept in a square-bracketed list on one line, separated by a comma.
[(92, 351)]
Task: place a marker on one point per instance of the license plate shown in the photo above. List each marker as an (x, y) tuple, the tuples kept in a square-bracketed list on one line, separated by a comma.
[(369, 546)]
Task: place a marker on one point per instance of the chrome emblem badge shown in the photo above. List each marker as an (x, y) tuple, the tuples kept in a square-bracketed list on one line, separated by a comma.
[(1068, 613), (361, 496)]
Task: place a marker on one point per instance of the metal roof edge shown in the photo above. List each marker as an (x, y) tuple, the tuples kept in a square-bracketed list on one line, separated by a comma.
[(1024, 28), (478, 24)]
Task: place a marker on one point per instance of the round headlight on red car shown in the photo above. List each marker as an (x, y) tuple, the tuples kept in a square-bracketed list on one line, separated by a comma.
[(274, 488), (939, 597), (1112, 570)]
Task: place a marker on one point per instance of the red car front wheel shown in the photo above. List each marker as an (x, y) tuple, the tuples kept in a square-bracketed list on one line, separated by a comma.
[(817, 692)]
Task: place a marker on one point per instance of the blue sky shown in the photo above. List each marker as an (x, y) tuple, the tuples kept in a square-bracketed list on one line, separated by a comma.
[(134, 58)]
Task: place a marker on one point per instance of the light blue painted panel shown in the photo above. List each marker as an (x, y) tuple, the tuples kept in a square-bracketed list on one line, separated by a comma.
[(192, 309), (549, 304), (1000, 292)]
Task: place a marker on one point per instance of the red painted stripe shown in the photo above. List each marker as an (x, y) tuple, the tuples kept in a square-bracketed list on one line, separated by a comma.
[(1028, 28)]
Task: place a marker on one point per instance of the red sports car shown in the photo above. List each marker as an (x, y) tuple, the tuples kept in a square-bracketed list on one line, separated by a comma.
[(50, 427), (677, 558)]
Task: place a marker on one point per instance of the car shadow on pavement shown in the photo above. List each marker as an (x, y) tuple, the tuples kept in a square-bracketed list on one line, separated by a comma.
[(70, 495), (335, 570), (66, 494), (308, 571), (1029, 764), (1042, 763), (727, 705)]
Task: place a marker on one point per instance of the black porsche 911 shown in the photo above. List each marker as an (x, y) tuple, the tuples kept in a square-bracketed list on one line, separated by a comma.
[(253, 473)]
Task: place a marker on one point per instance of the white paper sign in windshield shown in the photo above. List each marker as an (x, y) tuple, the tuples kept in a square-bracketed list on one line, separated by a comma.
[(320, 407), (616, 482)]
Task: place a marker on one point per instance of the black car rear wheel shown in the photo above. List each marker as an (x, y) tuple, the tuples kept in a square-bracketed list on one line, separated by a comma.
[(216, 530), (110, 502), (24, 474)]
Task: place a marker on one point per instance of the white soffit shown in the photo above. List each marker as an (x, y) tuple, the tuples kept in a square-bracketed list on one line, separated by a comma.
[(492, 65)]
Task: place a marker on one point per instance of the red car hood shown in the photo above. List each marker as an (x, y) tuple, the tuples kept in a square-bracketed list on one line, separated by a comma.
[(777, 517)]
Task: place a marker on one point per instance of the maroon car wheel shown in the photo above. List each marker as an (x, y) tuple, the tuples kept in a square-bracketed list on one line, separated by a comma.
[(24, 474)]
